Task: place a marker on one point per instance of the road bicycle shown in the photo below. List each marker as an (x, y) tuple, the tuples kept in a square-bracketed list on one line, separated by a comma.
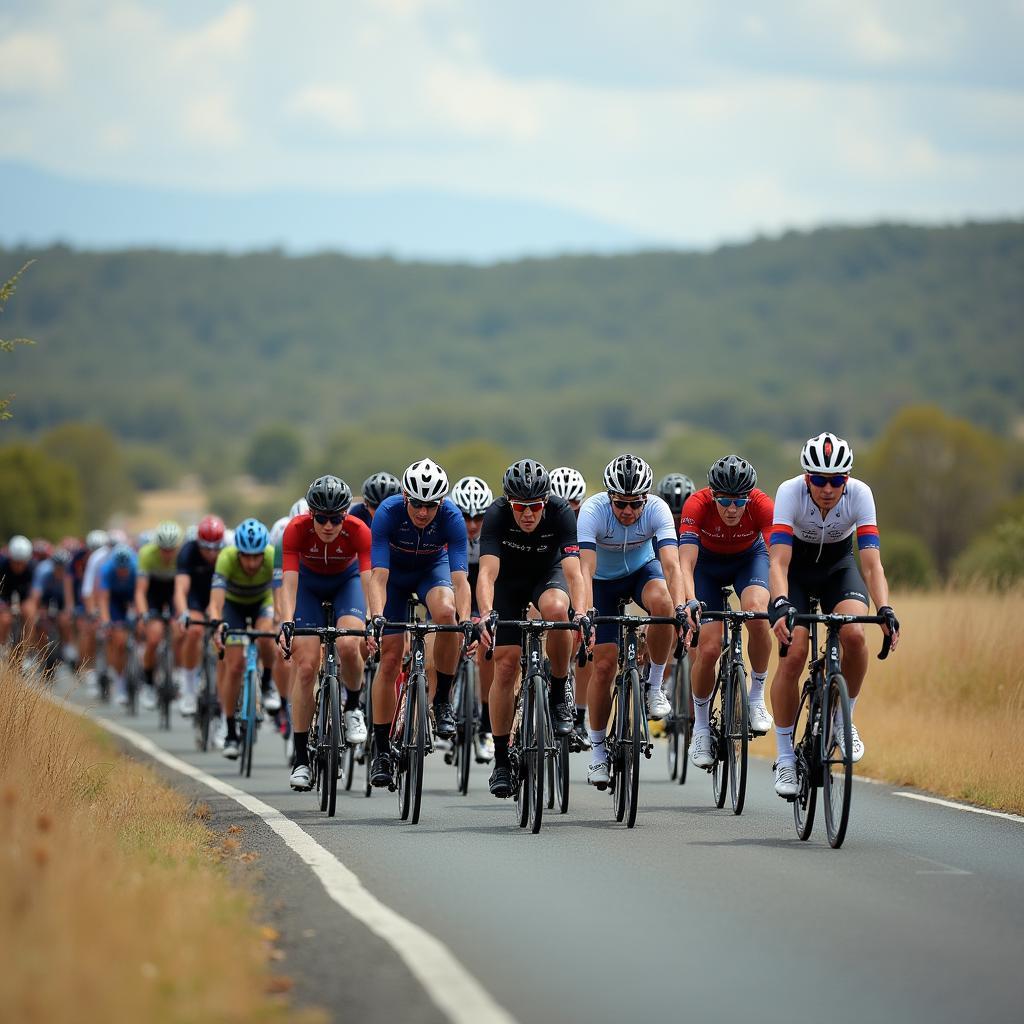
[(679, 723), (163, 677), (248, 699), (820, 759), (207, 703), (467, 721)]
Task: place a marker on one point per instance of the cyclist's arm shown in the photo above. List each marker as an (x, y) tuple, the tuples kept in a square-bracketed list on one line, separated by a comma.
[(463, 595), (577, 589), (104, 603), (377, 591), (490, 566), (288, 590), (182, 585), (687, 563), (216, 607), (588, 566), (668, 555), (874, 576), (778, 569), (141, 589)]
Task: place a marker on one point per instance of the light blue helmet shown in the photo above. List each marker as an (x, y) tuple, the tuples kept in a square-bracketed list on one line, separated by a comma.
[(251, 537), (122, 557)]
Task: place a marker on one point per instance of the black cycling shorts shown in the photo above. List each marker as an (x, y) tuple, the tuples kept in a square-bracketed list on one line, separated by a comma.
[(511, 598), (829, 581)]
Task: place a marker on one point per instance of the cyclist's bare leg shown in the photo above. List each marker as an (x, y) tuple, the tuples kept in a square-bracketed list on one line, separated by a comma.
[(855, 646), (759, 634), (350, 654), (391, 648)]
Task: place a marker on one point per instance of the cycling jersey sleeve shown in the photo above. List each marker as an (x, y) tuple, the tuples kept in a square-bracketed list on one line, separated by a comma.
[(493, 529), (380, 533), (290, 544), (662, 526), (762, 512), (457, 539), (361, 540), (568, 542), (589, 522), (689, 519), (222, 569), (863, 502), (785, 511)]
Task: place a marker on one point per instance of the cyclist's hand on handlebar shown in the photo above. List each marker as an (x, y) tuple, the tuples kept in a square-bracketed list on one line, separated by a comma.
[(218, 637), (586, 628), (470, 636), (891, 626), (184, 620), (284, 638), (778, 613), (374, 630), (485, 629)]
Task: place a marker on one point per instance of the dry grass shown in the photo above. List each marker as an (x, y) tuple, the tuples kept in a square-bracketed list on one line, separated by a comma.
[(115, 903), (946, 711)]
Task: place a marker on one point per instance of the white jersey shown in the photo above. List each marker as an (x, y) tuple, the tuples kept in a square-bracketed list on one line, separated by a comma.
[(621, 550), (92, 569), (797, 518)]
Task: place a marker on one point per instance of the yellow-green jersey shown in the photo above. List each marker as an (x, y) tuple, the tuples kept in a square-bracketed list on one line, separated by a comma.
[(152, 564), (240, 587)]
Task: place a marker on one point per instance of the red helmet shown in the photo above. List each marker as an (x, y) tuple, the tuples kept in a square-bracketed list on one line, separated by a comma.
[(210, 531)]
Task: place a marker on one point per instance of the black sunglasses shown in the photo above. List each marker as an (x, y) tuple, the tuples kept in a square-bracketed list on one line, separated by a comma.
[(622, 503), (416, 503), (323, 518), (820, 481)]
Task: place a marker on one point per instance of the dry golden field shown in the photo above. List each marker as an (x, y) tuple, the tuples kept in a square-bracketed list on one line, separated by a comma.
[(116, 903)]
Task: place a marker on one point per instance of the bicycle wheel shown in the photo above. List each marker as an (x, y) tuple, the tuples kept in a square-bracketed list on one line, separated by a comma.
[(536, 754), (419, 743), (631, 754), (685, 721), (323, 717), (562, 773), (719, 737), (368, 749), (332, 742), (616, 727), (523, 739), (673, 728), (806, 766), (165, 690), (464, 735), (406, 709), (348, 770), (250, 722), (837, 774), (738, 738), (204, 706)]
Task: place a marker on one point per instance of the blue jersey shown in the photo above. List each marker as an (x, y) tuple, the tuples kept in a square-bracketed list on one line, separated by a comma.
[(46, 584), (399, 545), (121, 588), (360, 511), (621, 550)]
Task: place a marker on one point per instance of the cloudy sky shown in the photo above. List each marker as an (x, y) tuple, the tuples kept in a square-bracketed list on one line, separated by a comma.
[(682, 121)]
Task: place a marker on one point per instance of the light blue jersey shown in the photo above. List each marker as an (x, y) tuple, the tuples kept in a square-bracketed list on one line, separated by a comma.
[(621, 550)]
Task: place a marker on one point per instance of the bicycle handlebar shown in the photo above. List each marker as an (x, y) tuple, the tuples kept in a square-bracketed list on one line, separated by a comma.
[(252, 634), (326, 635), (534, 626), (794, 618)]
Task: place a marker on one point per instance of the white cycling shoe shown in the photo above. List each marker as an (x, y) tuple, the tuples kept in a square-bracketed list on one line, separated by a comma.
[(858, 747), (785, 779), (598, 774), (483, 748), (658, 706), (301, 778), (271, 700), (355, 727), (187, 704), (231, 750), (148, 697), (700, 750), (758, 717)]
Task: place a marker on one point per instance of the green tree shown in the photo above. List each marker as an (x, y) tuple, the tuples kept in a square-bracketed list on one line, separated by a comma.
[(937, 477), (996, 559), (476, 458), (93, 454), (41, 496), (6, 291), (908, 562), (273, 453)]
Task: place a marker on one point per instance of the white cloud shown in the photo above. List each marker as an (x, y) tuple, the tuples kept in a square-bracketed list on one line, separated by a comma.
[(335, 107), (212, 121), (225, 36), (478, 103), (31, 62)]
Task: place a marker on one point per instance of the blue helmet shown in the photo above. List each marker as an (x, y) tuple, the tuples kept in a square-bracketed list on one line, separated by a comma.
[(122, 557), (251, 537)]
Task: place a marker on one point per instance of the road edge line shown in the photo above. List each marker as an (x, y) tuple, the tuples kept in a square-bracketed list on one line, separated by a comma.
[(952, 805)]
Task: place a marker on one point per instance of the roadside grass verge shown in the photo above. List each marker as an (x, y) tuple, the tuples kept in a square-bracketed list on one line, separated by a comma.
[(116, 903)]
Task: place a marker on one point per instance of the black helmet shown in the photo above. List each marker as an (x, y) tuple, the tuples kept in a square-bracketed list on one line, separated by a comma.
[(526, 480), (675, 488), (380, 486), (328, 494), (732, 475)]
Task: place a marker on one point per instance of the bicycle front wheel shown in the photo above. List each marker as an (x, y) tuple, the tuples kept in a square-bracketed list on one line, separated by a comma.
[(368, 746), (685, 712), (720, 738), (738, 738), (250, 722), (806, 766), (562, 773), (536, 754), (332, 741), (419, 742), (464, 733), (837, 773), (165, 691), (616, 733), (631, 752)]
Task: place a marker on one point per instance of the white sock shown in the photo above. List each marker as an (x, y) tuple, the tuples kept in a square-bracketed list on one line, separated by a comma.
[(597, 741), (656, 676), (784, 744), (701, 713), (839, 713), (757, 681), (191, 683)]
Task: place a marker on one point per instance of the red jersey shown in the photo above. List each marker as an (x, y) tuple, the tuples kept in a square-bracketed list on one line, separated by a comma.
[(700, 523), (301, 546)]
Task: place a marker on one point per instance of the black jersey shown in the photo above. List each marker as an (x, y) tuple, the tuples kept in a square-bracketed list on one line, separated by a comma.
[(360, 511), (12, 582), (191, 563), (528, 556)]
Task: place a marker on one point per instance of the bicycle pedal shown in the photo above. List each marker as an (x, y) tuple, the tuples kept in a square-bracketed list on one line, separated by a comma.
[(392, 786), (449, 758)]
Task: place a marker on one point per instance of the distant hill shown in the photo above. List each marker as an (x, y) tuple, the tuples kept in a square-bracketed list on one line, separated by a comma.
[(44, 209), (833, 328)]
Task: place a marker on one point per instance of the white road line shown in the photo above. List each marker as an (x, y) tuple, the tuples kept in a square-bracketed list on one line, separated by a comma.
[(960, 807), (938, 867), (455, 991)]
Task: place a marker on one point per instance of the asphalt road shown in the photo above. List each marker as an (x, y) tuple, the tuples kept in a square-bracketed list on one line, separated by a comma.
[(695, 913)]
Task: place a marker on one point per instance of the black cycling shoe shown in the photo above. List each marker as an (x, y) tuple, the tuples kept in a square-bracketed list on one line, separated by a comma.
[(563, 718), (580, 737), (381, 771), (444, 720), (500, 782)]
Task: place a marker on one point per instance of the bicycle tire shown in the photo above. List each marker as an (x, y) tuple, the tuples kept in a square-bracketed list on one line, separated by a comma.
[(719, 738), (673, 728), (204, 706), (406, 704), (348, 770), (419, 744), (166, 688), (322, 717), (250, 724), (615, 732), (537, 754), (523, 739), (368, 748), (562, 773), (739, 737), (464, 736), (837, 768), (686, 717), (807, 790), (332, 736), (631, 753)]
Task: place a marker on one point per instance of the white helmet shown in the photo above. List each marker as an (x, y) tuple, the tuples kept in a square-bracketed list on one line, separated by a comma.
[(167, 534), (826, 453), (472, 495), (117, 536), (229, 537), (277, 530), (19, 548), (425, 481), (299, 508), (568, 483), (96, 539), (628, 474)]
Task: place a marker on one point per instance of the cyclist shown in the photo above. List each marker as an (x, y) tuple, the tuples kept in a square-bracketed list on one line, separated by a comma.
[(115, 596), (628, 549), (154, 595), (47, 599), (275, 698), (326, 558), (84, 622), (192, 583), (473, 498), (419, 547), (241, 590), (529, 555), (16, 570), (375, 489), (674, 489), (811, 555), (723, 543), (569, 483)]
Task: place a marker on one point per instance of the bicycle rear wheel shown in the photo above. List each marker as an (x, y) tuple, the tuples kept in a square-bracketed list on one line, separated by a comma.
[(837, 774), (419, 742), (464, 733), (332, 739), (720, 737), (806, 766), (536, 753), (738, 738)]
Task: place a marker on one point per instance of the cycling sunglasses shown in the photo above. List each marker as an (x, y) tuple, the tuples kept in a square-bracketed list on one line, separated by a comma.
[(622, 503), (323, 518), (527, 506), (821, 481), (416, 503), (726, 502)]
